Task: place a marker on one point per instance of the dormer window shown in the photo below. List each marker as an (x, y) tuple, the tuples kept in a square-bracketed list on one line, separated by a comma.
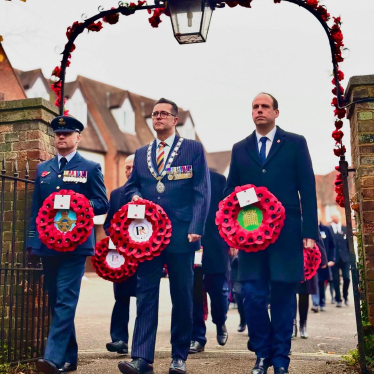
[(125, 117), (77, 107), (38, 90), (187, 130)]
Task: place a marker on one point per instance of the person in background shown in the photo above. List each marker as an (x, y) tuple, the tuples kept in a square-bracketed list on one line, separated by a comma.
[(119, 331), (304, 289), (324, 275), (236, 289), (214, 271), (342, 260)]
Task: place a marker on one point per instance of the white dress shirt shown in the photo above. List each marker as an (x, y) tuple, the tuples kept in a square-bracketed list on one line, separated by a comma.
[(337, 227), (269, 141), (169, 143), (68, 157)]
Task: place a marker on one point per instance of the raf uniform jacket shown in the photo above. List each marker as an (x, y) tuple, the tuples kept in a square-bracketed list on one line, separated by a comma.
[(185, 201), (94, 190), (215, 249), (288, 174), (341, 242)]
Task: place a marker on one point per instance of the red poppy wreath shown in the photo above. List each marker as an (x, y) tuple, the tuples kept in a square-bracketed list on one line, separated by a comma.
[(111, 265), (253, 227), (64, 229), (141, 239), (312, 260)]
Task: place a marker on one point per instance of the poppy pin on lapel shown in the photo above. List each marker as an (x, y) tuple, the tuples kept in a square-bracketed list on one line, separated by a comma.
[(45, 173)]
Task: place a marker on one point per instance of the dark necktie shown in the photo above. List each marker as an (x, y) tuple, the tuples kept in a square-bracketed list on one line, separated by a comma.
[(63, 162), (263, 140)]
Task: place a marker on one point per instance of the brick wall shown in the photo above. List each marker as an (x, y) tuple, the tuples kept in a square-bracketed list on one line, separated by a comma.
[(25, 137), (361, 118)]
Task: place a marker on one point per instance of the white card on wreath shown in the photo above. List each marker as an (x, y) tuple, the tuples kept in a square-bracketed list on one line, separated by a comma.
[(198, 258), (62, 202), (111, 244), (136, 211), (247, 197)]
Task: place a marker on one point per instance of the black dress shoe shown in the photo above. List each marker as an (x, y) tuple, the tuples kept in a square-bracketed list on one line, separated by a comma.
[(68, 367), (46, 367), (262, 366), (136, 366), (338, 304), (280, 371), (241, 327), (196, 347), (222, 335), (177, 366), (118, 346)]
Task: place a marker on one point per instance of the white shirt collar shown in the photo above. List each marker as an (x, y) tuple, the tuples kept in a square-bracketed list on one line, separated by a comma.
[(269, 135), (68, 157), (169, 141)]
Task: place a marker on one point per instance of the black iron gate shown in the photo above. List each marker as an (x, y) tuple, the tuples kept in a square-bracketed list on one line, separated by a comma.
[(24, 312)]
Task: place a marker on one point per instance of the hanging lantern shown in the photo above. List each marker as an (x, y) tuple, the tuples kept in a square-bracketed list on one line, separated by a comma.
[(191, 19)]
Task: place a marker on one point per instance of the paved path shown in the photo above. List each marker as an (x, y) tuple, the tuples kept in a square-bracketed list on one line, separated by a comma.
[(332, 334)]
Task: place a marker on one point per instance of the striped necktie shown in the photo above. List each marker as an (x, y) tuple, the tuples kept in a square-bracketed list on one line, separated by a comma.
[(161, 157)]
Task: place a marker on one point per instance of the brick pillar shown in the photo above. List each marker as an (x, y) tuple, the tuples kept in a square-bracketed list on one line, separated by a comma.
[(25, 136), (361, 118)]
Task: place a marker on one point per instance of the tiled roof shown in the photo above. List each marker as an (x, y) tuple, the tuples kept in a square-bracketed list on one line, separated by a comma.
[(10, 86), (91, 140), (28, 78)]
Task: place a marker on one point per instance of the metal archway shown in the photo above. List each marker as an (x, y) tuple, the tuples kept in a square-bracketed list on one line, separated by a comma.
[(342, 104)]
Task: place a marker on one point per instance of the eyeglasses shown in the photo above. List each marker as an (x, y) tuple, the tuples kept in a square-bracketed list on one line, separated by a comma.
[(162, 114)]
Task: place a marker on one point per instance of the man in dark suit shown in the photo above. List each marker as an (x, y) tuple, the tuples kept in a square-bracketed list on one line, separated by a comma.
[(280, 161), (119, 331), (64, 270), (173, 173), (324, 274), (215, 266), (342, 260)]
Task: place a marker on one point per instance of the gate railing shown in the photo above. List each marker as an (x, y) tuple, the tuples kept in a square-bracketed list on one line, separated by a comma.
[(24, 312)]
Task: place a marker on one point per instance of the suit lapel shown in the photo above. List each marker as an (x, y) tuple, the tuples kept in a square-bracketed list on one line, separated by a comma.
[(153, 156), (154, 151), (173, 146), (252, 148), (278, 142)]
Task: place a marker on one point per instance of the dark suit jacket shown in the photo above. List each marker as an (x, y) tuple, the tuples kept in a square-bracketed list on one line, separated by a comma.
[(185, 201), (329, 244), (341, 242), (216, 251), (288, 174), (127, 287), (94, 190)]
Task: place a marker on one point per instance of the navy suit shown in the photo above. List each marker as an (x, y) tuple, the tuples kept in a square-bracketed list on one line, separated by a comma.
[(64, 271), (186, 202), (124, 290), (215, 266), (287, 172), (342, 263)]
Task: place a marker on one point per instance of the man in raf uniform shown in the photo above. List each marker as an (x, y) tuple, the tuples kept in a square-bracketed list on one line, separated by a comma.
[(119, 331), (64, 270), (280, 161), (215, 266), (173, 173)]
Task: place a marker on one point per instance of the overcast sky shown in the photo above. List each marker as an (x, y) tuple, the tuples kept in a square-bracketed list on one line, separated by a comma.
[(277, 48)]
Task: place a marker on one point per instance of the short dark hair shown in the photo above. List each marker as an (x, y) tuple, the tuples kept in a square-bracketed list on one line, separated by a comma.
[(174, 107), (275, 101)]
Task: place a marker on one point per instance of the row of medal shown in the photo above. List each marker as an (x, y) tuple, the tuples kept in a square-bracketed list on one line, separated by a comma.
[(77, 176), (179, 172)]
